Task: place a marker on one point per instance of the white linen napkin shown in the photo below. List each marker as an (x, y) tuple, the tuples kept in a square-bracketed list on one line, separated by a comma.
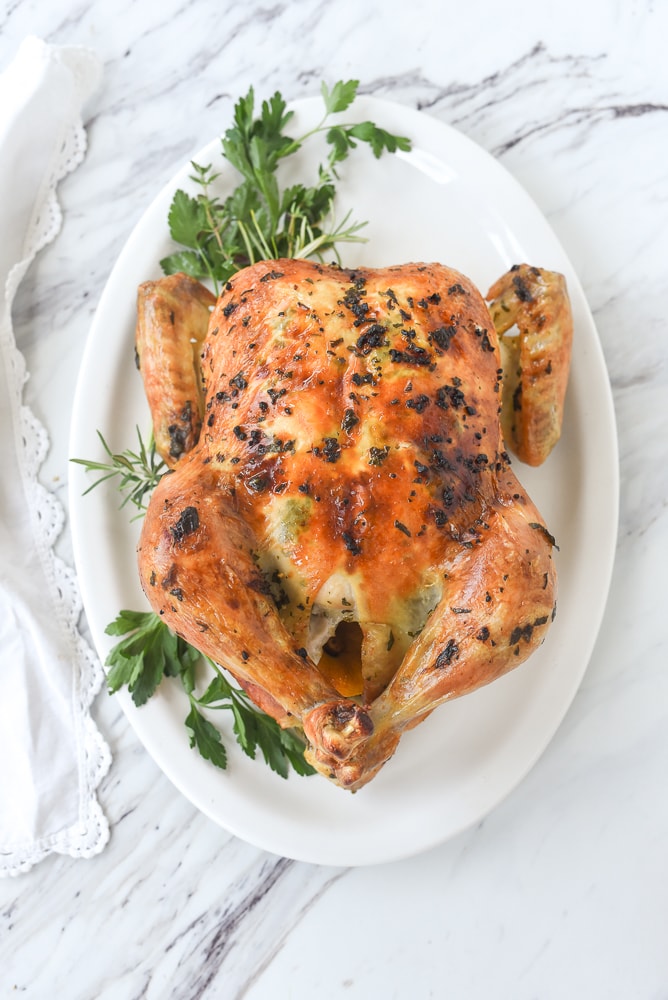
[(52, 756)]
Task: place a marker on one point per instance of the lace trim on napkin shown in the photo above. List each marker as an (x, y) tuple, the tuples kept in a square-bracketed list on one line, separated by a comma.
[(91, 833)]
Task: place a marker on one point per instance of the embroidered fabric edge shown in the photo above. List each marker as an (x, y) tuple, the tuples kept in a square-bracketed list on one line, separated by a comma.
[(89, 834)]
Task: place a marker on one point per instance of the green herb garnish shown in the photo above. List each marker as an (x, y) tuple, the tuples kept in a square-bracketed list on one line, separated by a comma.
[(281, 748), (150, 651), (260, 220), (137, 472)]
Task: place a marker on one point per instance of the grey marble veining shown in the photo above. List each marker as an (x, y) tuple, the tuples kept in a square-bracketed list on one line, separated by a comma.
[(562, 890)]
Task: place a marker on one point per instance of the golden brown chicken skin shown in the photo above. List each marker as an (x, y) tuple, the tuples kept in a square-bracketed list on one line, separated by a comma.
[(172, 319), (536, 359), (348, 537)]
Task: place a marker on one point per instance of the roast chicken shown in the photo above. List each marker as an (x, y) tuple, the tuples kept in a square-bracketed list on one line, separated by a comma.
[(341, 528)]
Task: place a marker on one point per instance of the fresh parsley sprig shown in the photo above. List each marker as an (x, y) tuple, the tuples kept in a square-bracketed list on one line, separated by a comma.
[(149, 651), (137, 472), (260, 220), (281, 748)]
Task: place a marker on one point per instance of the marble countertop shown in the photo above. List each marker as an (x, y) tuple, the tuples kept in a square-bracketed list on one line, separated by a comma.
[(562, 890)]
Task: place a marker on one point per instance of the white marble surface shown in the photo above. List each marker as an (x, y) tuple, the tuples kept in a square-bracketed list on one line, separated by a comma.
[(563, 889)]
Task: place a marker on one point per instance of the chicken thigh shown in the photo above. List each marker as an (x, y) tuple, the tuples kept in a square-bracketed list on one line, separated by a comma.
[(347, 537)]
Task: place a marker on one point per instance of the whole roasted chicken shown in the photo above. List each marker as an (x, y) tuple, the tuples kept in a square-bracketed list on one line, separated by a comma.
[(342, 529)]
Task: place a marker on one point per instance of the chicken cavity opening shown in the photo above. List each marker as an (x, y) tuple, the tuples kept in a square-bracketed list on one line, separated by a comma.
[(360, 657), (341, 659)]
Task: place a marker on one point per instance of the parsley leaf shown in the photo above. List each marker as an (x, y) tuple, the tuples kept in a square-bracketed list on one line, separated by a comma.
[(340, 97), (182, 260), (205, 738), (187, 219), (378, 138)]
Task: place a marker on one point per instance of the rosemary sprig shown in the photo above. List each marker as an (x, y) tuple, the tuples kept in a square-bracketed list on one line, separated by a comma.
[(137, 472)]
